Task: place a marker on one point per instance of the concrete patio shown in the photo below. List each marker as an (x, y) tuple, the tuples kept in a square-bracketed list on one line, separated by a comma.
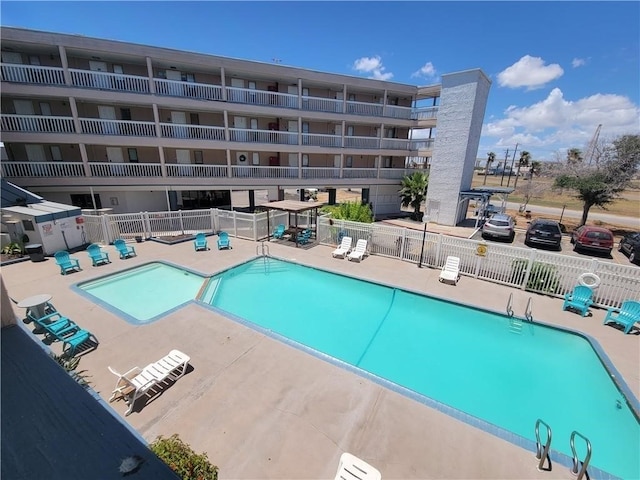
[(263, 409)]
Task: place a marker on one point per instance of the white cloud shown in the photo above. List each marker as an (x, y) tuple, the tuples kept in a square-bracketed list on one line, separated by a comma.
[(555, 122), (530, 72), (426, 71), (578, 62), (373, 66)]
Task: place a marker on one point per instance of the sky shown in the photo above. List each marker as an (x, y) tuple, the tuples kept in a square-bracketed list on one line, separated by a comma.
[(558, 68)]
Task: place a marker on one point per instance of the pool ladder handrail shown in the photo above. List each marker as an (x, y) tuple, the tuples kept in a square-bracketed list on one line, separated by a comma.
[(260, 250), (510, 305), (576, 461), (528, 310), (543, 453)]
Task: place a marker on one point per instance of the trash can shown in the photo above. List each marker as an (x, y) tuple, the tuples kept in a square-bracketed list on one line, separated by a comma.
[(35, 251)]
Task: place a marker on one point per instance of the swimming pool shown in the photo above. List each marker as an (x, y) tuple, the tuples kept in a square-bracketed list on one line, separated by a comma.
[(145, 293), (472, 360)]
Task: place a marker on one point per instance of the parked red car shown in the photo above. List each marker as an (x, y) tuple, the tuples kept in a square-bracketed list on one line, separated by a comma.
[(596, 239)]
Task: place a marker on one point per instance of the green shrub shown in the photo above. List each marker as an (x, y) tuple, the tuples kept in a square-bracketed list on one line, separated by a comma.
[(183, 460), (13, 248), (353, 211), (542, 278)]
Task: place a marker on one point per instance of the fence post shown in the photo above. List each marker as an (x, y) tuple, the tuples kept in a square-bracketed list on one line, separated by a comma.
[(404, 238), (235, 224), (105, 229), (255, 227), (213, 220), (594, 266), (438, 249), (478, 262), (181, 221), (146, 225), (532, 258)]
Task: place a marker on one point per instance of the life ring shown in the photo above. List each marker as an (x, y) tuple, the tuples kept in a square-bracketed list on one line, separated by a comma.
[(481, 250), (590, 280)]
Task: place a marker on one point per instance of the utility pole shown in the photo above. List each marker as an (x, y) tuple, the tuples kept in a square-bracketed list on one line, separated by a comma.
[(512, 162), (504, 167)]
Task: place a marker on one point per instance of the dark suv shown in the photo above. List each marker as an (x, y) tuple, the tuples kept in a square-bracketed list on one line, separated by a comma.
[(544, 232), (630, 245)]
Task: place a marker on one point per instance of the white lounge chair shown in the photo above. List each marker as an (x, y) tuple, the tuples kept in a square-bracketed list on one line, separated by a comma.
[(451, 270), (138, 382), (358, 252), (343, 248), (352, 468)]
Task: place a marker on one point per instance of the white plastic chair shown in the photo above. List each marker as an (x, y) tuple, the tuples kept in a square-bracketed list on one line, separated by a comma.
[(358, 252), (138, 382), (451, 270), (343, 248), (352, 468)]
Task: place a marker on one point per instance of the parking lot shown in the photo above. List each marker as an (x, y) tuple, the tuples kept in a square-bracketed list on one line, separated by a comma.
[(567, 248)]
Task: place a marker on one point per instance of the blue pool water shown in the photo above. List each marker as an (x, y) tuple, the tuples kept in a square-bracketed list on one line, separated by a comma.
[(466, 358), (143, 293)]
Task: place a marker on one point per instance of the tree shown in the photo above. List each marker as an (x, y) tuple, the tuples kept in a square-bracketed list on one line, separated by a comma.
[(531, 189), (574, 155), (490, 159), (414, 192), (615, 164), (353, 211), (525, 157)]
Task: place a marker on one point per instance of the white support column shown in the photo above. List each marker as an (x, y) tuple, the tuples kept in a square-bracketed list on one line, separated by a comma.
[(300, 93), (341, 164), (344, 99), (384, 104), (65, 65), (344, 126), (229, 172), (163, 163), (379, 162), (299, 131), (85, 159), (299, 164), (152, 84), (156, 119), (223, 82), (226, 125), (74, 114)]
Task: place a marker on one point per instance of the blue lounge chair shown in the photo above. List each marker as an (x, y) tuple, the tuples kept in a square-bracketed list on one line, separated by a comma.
[(71, 343), (123, 249), (223, 240), (54, 326), (580, 300), (97, 256), (200, 242), (279, 231), (66, 262), (627, 315)]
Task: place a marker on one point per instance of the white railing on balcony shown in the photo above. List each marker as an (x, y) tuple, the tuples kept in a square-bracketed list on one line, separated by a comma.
[(318, 104), (200, 91), (394, 172), (261, 97), (424, 144), (264, 172), (424, 113), (129, 128), (364, 108), (321, 140), (262, 136), (197, 132), (320, 172), (395, 143), (42, 169), (394, 111), (109, 81), (115, 169), (208, 171), (37, 123), (359, 173), (32, 74), (361, 142)]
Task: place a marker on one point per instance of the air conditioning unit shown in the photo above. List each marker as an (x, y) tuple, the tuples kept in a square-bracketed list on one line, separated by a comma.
[(242, 158)]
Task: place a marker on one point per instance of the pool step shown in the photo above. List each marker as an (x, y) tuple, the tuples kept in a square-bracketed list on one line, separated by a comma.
[(265, 267), (515, 326)]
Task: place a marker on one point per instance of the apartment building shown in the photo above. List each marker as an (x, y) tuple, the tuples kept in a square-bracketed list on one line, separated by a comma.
[(106, 124)]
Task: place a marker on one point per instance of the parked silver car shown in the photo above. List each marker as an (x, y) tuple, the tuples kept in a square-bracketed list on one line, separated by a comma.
[(500, 225)]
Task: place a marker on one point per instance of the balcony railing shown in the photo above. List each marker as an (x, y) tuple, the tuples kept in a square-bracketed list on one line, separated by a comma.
[(321, 140), (261, 97), (37, 123), (359, 173), (263, 136), (109, 81), (42, 169), (361, 142), (198, 132), (394, 173), (209, 171), (200, 91), (317, 104), (264, 172), (426, 144), (128, 128), (395, 143), (394, 111), (424, 113), (320, 172), (115, 169), (362, 108), (32, 74)]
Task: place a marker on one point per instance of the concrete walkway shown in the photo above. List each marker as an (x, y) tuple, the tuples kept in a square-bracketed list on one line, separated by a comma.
[(262, 409)]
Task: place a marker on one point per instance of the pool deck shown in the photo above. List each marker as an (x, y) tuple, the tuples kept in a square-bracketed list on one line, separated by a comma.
[(263, 409)]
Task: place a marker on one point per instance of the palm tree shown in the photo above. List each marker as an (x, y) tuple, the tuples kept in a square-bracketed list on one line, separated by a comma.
[(490, 159), (414, 192), (525, 157)]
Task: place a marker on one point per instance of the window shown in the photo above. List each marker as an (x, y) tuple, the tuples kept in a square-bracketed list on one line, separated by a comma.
[(133, 155), (125, 113), (349, 162), (118, 69), (350, 131), (162, 74), (56, 153), (255, 158), (45, 109), (188, 77), (197, 154), (84, 200), (387, 162), (305, 160), (34, 60), (27, 225)]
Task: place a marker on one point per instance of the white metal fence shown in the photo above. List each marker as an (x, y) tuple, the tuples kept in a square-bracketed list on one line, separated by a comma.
[(533, 270)]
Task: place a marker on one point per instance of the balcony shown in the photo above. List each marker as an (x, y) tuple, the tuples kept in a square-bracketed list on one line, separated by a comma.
[(198, 91), (424, 113), (361, 142), (198, 132), (173, 170), (95, 126), (263, 136), (321, 140), (261, 97), (363, 108), (109, 81), (32, 74), (37, 123)]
